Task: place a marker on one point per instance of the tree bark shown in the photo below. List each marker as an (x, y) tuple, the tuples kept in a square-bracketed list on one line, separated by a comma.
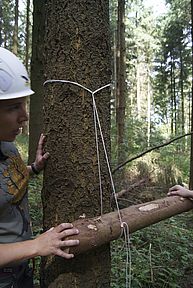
[(37, 78), (15, 33), (77, 48), (100, 230), (120, 82), (191, 155), (1, 22), (25, 130), (27, 35)]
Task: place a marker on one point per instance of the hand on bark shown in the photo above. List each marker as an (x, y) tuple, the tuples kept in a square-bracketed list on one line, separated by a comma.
[(180, 191), (41, 155), (53, 241)]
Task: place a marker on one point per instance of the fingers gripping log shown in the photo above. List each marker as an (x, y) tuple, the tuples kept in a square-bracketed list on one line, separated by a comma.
[(97, 231)]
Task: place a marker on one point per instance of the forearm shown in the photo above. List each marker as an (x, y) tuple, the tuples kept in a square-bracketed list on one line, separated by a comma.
[(15, 252), (180, 191), (51, 242)]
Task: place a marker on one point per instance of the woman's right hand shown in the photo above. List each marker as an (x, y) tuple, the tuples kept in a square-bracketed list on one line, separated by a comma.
[(53, 242)]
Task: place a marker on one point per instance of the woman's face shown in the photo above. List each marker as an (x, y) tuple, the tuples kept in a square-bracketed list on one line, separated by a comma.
[(12, 117)]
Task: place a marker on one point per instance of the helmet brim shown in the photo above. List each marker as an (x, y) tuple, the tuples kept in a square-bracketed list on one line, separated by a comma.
[(16, 95)]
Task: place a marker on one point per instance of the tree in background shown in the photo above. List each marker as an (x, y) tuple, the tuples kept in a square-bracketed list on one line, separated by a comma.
[(120, 81), (37, 78), (191, 156), (1, 21), (15, 32), (27, 36), (174, 67), (7, 21)]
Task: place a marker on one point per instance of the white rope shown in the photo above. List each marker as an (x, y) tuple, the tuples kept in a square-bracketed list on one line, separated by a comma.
[(128, 255), (107, 159), (124, 226), (98, 159)]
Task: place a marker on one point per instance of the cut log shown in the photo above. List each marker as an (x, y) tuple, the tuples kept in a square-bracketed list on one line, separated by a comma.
[(100, 230)]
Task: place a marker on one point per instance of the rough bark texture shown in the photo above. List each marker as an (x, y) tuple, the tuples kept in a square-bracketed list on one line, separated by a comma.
[(37, 79), (100, 230), (77, 48), (15, 33), (27, 35), (120, 82), (1, 23), (191, 155)]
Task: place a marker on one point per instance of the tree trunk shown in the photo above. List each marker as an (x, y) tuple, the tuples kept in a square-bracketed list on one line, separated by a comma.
[(15, 33), (120, 81), (25, 129), (37, 78), (182, 96), (100, 230), (77, 48), (148, 106), (27, 36), (191, 156), (171, 99), (1, 22)]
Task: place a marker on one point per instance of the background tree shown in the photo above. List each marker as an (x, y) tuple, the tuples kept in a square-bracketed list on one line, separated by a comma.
[(7, 23), (15, 33), (1, 22), (37, 78), (191, 157), (120, 81), (27, 36)]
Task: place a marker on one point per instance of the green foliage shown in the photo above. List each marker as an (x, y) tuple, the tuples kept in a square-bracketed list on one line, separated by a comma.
[(177, 161), (35, 205), (7, 23), (160, 255), (35, 186)]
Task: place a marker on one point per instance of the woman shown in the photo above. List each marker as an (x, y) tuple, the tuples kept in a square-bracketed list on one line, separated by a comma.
[(14, 215)]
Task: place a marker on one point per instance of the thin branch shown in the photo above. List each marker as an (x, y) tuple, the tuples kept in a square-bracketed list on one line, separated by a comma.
[(131, 187), (149, 150)]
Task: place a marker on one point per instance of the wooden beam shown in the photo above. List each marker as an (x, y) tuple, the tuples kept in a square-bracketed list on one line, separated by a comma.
[(100, 230)]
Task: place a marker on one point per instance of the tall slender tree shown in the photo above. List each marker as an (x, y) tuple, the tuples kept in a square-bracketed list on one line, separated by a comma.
[(8, 14), (191, 155), (27, 35), (120, 81), (37, 77), (15, 33), (1, 21)]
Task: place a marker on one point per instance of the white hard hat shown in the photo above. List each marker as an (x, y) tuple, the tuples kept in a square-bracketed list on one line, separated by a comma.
[(14, 80)]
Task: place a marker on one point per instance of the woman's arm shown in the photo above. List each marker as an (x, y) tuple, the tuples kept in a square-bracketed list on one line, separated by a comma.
[(51, 242)]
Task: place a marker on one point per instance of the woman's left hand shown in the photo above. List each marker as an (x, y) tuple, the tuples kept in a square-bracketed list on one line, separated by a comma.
[(41, 155)]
